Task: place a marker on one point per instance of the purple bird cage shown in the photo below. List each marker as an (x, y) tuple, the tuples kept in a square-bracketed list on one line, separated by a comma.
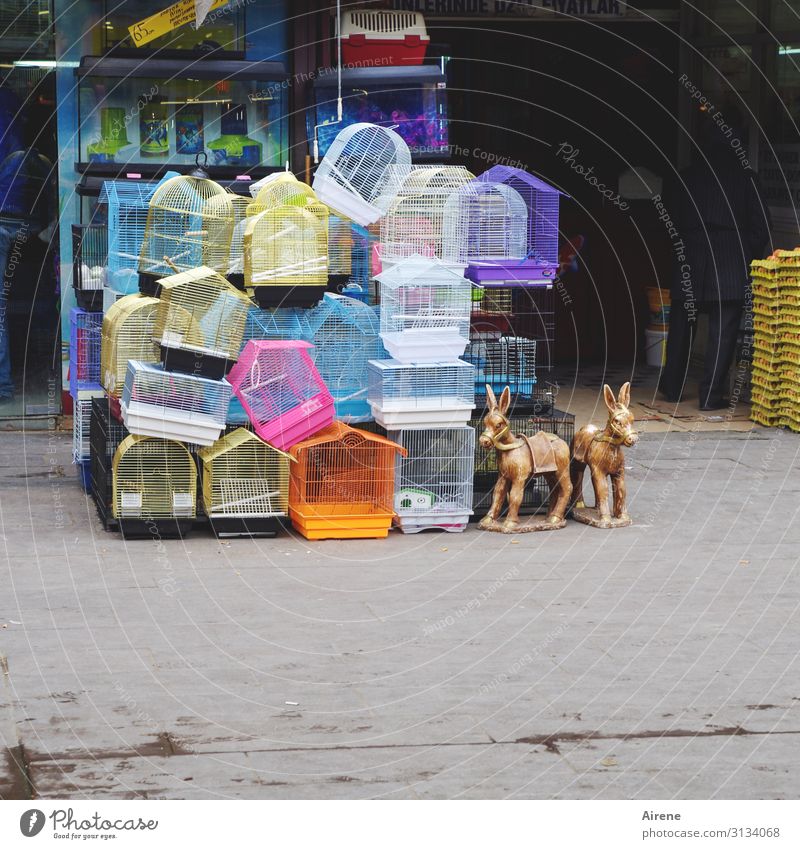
[(541, 200), (84, 350)]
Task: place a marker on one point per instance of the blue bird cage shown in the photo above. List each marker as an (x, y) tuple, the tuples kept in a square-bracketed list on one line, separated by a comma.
[(346, 335), (84, 350), (507, 361)]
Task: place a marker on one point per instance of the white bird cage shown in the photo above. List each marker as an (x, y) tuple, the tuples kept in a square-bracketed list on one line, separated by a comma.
[(200, 322), (414, 222), (424, 395), (235, 272), (425, 311), (355, 176), (173, 405), (433, 481), (346, 335), (485, 222), (340, 249), (81, 419), (245, 485), (127, 334), (190, 222), (154, 489)]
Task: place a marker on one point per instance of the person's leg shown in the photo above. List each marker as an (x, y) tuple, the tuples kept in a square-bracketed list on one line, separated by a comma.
[(682, 325), (6, 384), (724, 318)]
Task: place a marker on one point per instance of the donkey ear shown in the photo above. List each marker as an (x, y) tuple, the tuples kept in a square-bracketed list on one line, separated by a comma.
[(490, 397), (505, 400), (625, 394), (611, 401)]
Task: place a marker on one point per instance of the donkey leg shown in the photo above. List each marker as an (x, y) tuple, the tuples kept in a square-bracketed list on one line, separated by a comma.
[(620, 495), (577, 470), (498, 497), (600, 484), (560, 496), (514, 501)]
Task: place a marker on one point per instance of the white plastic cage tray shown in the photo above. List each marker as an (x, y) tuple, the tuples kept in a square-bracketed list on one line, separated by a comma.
[(455, 522), (425, 345)]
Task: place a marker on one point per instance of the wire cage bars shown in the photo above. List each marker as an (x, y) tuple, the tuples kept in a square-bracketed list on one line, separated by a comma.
[(200, 322), (281, 391), (171, 405), (433, 482), (105, 435), (154, 487), (485, 223), (85, 333), (342, 485), (235, 273), (541, 200), (127, 334), (405, 396), (537, 490), (507, 361), (346, 335), (425, 310), (355, 176), (414, 222), (127, 203), (245, 485), (283, 189), (189, 223), (81, 446), (286, 255), (89, 256)]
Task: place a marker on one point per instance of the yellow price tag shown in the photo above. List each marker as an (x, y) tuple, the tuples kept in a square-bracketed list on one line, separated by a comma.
[(180, 13)]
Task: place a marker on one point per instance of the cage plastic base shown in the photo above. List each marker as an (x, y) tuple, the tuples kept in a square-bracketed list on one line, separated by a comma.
[(345, 203), (431, 345), (241, 526), (145, 420), (90, 300), (269, 297), (149, 284), (84, 469), (192, 362), (155, 528), (328, 525), (237, 281), (454, 523), (422, 419)]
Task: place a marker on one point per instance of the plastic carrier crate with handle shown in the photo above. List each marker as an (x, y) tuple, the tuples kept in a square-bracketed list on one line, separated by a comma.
[(281, 391), (342, 484), (245, 485), (171, 405), (422, 395), (425, 311), (89, 255), (383, 37), (537, 491), (433, 481), (85, 332), (154, 487), (355, 177)]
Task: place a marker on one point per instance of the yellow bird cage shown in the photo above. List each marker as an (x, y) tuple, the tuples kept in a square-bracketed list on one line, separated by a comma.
[(286, 255), (282, 190), (200, 322), (154, 487), (190, 223), (245, 485), (127, 334)]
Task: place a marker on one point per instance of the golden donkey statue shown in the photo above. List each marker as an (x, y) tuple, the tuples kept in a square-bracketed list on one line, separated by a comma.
[(519, 458)]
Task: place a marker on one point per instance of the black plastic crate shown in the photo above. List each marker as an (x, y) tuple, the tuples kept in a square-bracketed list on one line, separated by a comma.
[(537, 491)]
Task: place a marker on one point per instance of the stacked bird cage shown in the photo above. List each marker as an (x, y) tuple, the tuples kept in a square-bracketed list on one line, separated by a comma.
[(81, 444), (84, 350), (346, 335), (507, 361), (433, 480), (425, 310), (421, 395), (127, 202), (286, 255), (235, 274), (127, 334), (200, 322), (245, 485), (172, 405), (486, 229), (154, 488), (340, 252), (105, 435), (541, 200), (775, 394), (342, 484), (414, 223), (281, 391), (537, 491), (89, 255), (190, 223), (355, 176)]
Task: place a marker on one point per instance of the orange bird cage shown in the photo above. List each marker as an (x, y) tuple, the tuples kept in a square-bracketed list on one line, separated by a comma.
[(342, 485)]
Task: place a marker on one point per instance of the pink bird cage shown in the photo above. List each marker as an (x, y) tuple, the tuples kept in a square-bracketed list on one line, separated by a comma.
[(281, 391)]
